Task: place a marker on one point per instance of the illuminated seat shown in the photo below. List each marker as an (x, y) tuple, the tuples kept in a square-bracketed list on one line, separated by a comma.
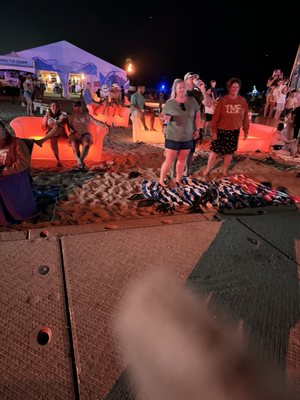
[(259, 138), (139, 135), (123, 120), (31, 128)]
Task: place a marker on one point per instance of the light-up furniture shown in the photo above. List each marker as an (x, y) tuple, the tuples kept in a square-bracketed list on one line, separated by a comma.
[(108, 119), (259, 137), (140, 135), (31, 128)]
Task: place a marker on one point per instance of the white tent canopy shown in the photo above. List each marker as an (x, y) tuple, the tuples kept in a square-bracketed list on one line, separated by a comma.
[(65, 58)]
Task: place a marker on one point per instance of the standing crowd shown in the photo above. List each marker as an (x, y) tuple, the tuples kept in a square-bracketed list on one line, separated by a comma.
[(193, 113)]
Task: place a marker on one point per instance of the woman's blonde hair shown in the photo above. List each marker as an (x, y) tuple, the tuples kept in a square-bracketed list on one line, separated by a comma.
[(174, 87)]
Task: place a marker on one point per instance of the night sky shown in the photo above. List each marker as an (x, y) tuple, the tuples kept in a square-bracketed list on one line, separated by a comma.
[(217, 39)]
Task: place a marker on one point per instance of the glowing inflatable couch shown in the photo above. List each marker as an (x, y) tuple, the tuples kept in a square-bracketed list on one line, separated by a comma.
[(122, 120), (259, 137), (139, 135), (31, 128)]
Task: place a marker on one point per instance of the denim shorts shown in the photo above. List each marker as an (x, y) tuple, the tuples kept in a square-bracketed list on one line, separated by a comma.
[(173, 145)]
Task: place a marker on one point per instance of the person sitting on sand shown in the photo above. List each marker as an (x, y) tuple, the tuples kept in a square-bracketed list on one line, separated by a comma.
[(16, 197), (54, 123), (282, 145), (78, 124)]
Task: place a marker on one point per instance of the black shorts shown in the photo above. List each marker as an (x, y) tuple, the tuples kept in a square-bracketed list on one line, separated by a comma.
[(226, 142), (173, 145), (208, 117)]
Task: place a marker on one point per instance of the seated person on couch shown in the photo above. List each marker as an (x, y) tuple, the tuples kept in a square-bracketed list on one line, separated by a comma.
[(16, 197), (79, 126), (54, 123)]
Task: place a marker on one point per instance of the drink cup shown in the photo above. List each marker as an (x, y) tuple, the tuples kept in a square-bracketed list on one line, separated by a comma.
[(198, 82)]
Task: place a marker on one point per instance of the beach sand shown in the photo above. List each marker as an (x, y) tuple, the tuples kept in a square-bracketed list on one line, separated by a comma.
[(102, 194)]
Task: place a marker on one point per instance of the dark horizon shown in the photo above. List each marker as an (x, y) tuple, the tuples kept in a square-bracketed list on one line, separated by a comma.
[(217, 41)]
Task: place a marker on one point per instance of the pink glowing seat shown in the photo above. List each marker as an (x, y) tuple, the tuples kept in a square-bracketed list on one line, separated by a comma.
[(31, 128), (123, 120), (259, 138), (139, 135), (126, 102)]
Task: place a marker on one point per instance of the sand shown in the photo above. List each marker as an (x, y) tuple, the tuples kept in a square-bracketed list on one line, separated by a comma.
[(102, 194)]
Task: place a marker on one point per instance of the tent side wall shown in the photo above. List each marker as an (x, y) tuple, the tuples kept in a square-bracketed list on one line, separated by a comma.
[(66, 58), (17, 64)]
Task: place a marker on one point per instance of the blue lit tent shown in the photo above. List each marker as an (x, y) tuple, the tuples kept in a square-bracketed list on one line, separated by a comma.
[(64, 58)]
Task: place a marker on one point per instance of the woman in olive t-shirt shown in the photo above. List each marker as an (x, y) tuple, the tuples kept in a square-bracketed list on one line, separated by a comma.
[(182, 124)]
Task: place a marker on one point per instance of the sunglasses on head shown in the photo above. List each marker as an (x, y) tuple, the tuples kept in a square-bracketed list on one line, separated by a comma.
[(182, 106)]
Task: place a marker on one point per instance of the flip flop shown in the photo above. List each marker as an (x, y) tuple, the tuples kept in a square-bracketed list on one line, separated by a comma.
[(136, 196), (146, 203), (134, 174)]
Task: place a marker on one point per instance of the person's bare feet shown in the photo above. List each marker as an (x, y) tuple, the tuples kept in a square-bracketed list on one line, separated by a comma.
[(163, 184), (204, 176)]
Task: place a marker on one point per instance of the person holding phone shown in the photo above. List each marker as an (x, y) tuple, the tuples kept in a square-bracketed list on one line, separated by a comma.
[(194, 88), (182, 124)]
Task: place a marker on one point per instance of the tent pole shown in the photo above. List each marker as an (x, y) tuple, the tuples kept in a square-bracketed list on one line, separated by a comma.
[(295, 65)]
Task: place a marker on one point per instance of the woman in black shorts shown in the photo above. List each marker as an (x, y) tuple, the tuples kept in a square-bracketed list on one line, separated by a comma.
[(181, 115)]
